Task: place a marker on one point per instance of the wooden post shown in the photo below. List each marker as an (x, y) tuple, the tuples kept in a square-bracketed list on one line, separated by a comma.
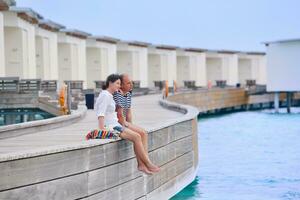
[(288, 101), (276, 102)]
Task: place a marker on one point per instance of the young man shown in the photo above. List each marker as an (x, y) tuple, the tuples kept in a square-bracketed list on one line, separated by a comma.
[(123, 108)]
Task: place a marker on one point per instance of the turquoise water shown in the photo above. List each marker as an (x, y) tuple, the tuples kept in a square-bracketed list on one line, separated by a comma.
[(248, 156), (20, 115)]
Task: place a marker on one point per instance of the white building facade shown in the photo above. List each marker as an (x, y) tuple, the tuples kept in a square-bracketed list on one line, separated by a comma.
[(19, 43), (72, 56), (191, 66), (283, 65), (101, 57), (162, 64), (46, 50), (222, 65), (252, 66), (3, 7), (132, 59), (31, 47)]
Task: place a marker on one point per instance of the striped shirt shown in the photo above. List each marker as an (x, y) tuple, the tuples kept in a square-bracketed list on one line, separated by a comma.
[(123, 100)]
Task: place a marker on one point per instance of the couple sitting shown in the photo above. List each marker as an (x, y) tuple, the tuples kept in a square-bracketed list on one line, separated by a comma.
[(113, 111)]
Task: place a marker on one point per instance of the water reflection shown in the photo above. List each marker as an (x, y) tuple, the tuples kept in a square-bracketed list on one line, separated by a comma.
[(20, 115), (190, 192)]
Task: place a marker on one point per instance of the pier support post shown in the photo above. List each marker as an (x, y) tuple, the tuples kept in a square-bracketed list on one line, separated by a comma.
[(69, 97), (276, 102), (288, 101)]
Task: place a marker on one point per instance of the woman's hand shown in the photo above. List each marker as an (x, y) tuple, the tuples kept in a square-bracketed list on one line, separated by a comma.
[(101, 122)]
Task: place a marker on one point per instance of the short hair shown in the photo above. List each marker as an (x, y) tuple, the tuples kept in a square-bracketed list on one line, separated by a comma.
[(122, 77)]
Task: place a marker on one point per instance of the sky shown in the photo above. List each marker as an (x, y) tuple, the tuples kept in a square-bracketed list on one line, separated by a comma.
[(210, 24)]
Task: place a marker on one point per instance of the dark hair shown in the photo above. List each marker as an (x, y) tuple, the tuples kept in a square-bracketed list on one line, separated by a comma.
[(111, 78)]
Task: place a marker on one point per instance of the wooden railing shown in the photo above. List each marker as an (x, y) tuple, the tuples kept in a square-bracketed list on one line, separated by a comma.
[(189, 84), (49, 85), (9, 84), (99, 84), (136, 84), (75, 84), (29, 85), (221, 83), (16, 85), (159, 84)]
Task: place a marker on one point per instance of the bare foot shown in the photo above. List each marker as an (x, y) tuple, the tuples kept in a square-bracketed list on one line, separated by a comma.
[(144, 169), (153, 168)]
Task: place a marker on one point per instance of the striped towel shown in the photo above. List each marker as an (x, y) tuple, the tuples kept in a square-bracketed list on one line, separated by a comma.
[(102, 134)]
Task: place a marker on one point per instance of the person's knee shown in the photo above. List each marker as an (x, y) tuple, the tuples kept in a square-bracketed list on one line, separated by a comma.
[(143, 133), (137, 138)]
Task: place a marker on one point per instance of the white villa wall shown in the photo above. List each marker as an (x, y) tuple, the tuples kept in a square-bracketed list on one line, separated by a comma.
[(13, 52), (75, 57), (165, 63), (183, 70), (244, 70), (231, 67), (19, 37), (101, 60), (2, 50), (64, 62), (222, 66), (125, 63), (252, 67), (283, 66), (259, 69), (154, 69), (195, 69), (133, 60), (40, 57), (199, 60), (94, 66), (262, 71), (46, 54), (214, 69)]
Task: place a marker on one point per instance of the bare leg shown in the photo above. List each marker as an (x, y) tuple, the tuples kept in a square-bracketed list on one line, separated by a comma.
[(142, 133), (141, 165), (141, 155)]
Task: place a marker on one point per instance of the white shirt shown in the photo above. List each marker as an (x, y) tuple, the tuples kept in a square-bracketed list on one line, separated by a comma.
[(106, 107)]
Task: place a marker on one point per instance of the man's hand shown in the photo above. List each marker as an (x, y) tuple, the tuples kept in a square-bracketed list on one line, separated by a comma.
[(129, 116), (120, 116)]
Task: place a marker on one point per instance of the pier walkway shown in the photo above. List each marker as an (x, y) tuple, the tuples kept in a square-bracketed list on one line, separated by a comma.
[(146, 113)]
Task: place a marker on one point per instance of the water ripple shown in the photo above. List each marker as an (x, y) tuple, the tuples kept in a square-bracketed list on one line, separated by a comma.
[(248, 156)]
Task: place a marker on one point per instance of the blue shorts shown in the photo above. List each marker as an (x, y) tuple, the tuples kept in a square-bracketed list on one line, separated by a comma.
[(119, 128)]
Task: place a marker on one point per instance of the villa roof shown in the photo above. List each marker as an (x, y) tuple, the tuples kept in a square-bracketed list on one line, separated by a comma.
[(27, 14), (105, 39), (195, 50), (255, 53), (227, 51), (137, 43), (282, 41), (166, 47), (50, 25), (75, 33), (4, 4)]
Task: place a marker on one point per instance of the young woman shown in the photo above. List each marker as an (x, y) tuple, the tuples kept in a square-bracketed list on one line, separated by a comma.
[(107, 117)]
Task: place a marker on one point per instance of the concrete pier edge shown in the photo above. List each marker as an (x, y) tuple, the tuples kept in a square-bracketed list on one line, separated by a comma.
[(101, 169)]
